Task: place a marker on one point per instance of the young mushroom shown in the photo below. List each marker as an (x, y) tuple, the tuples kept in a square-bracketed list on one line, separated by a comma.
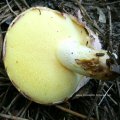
[(48, 54)]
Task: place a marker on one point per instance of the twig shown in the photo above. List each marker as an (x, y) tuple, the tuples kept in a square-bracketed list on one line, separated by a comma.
[(2, 94), (12, 102), (110, 29), (37, 113), (28, 115), (4, 7), (3, 79), (10, 16), (101, 86), (97, 112), (4, 84), (4, 16), (20, 111), (73, 112), (25, 109), (50, 117), (118, 87), (5, 95), (115, 35), (105, 94), (82, 9), (110, 110), (3, 73), (1, 42), (111, 98), (107, 86), (17, 3), (7, 10), (88, 19), (100, 4), (11, 117), (26, 4), (1, 3), (114, 67), (110, 48), (10, 8)]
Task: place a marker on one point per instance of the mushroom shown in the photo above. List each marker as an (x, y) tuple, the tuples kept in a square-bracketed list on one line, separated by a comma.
[(48, 54)]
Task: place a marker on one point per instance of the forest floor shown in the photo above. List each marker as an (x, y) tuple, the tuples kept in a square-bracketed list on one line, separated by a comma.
[(97, 100)]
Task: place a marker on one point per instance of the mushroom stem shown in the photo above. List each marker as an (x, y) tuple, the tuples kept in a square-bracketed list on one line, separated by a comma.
[(84, 60)]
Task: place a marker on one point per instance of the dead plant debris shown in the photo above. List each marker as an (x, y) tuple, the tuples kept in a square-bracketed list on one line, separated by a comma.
[(98, 100)]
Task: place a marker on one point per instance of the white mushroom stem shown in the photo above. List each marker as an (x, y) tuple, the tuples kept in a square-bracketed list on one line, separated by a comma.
[(84, 60)]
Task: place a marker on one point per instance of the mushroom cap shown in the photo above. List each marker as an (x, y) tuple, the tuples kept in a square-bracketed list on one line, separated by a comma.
[(29, 54)]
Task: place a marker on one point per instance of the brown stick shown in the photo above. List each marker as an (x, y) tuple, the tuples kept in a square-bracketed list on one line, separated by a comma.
[(11, 117), (73, 112)]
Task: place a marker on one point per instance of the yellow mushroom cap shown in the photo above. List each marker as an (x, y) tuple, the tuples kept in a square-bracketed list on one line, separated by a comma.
[(30, 55)]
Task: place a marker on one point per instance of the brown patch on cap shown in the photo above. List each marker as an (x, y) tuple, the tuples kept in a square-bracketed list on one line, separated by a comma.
[(37, 8), (94, 69)]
